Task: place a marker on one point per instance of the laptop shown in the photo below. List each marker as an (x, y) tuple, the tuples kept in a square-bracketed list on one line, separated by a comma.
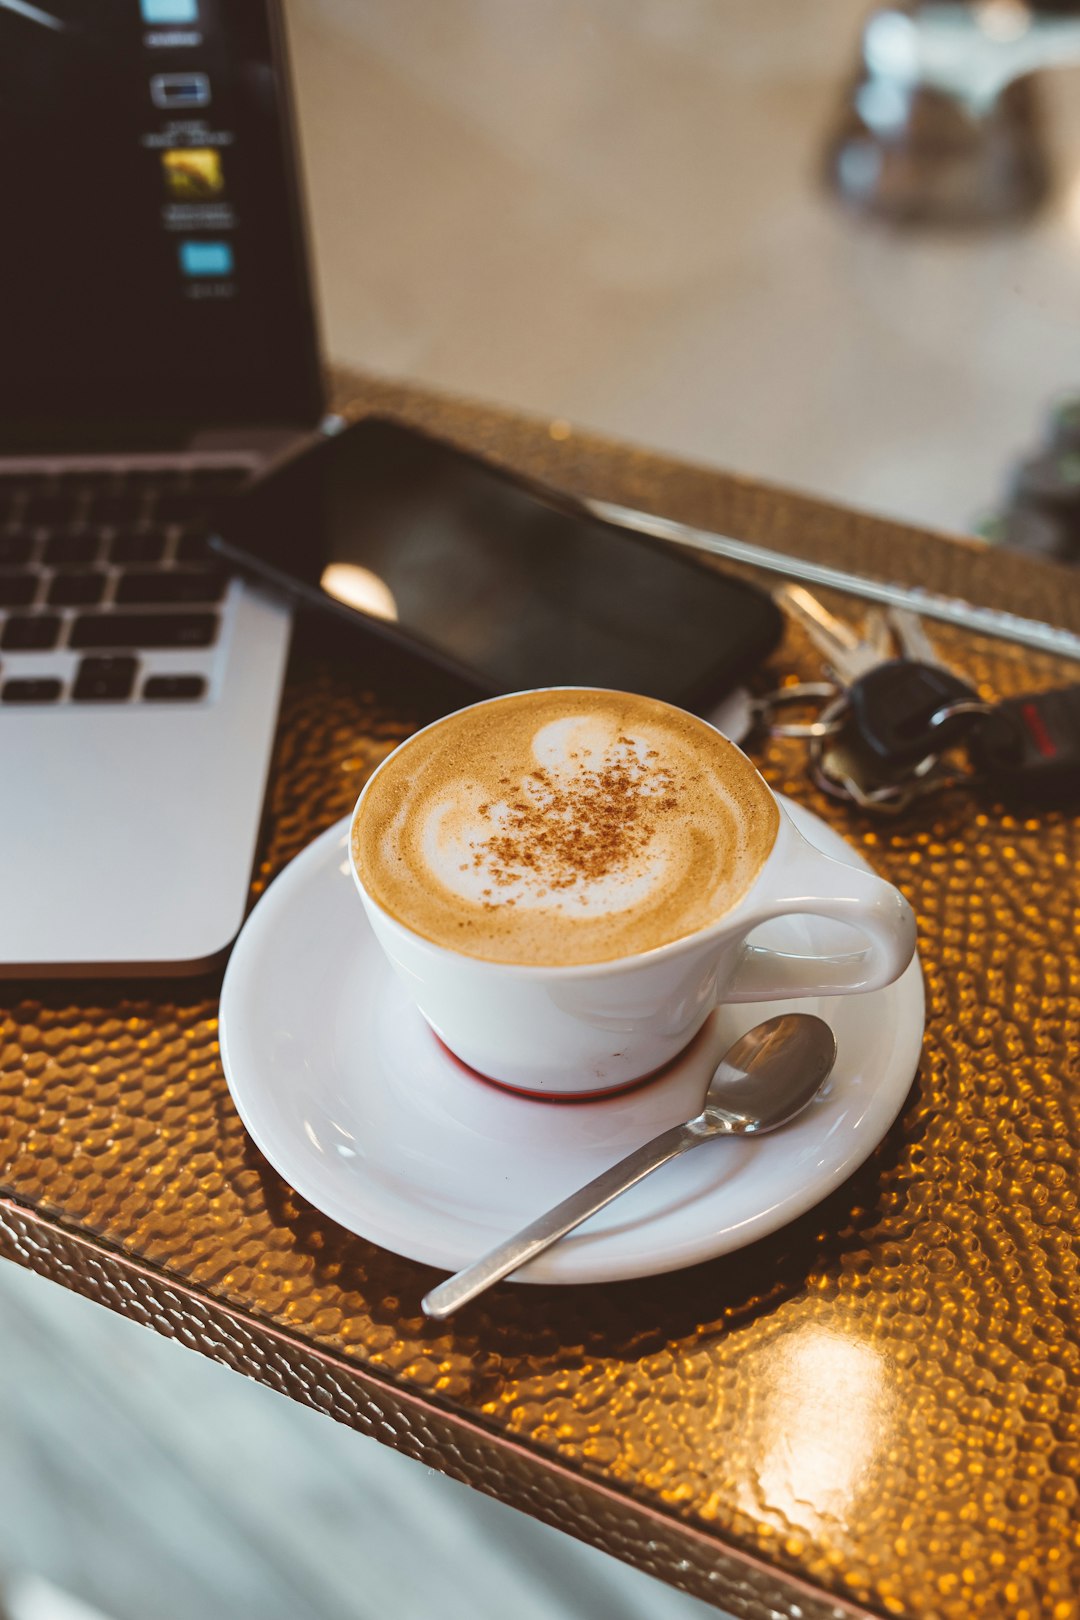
[(157, 347)]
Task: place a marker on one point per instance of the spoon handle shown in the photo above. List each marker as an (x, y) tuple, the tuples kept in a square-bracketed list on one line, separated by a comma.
[(548, 1228)]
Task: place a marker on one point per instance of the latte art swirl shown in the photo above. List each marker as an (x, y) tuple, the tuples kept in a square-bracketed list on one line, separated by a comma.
[(580, 830), (566, 826)]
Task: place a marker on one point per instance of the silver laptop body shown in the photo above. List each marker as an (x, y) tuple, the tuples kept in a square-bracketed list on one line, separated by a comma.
[(139, 686)]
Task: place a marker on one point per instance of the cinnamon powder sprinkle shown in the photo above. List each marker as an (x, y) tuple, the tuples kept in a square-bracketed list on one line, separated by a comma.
[(581, 831)]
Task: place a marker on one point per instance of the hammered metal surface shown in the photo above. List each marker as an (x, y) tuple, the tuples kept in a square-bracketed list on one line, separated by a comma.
[(882, 1401)]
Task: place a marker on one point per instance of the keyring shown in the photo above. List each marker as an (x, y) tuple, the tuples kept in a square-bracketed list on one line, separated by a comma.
[(802, 692), (961, 706)]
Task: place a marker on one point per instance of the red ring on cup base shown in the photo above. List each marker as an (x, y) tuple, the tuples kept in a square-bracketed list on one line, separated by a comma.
[(598, 1095)]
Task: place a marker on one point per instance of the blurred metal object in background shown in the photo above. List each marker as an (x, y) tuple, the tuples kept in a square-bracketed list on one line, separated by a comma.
[(942, 124), (1042, 509)]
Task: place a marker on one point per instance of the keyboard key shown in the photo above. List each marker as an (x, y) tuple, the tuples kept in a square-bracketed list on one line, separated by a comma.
[(52, 508), (17, 590), (104, 680), (144, 630), (137, 546), (116, 508), (219, 480), (177, 585), (173, 688), (192, 547), (76, 589), (30, 632), (180, 505), (89, 481), (71, 550), (15, 548), (41, 689)]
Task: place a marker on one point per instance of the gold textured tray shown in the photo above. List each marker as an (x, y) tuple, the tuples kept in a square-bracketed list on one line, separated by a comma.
[(876, 1410)]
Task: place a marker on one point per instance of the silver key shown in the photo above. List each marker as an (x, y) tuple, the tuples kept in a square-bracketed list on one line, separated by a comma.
[(876, 633), (847, 653), (910, 632)]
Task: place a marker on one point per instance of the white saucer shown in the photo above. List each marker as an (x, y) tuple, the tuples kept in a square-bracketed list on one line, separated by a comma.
[(345, 1090)]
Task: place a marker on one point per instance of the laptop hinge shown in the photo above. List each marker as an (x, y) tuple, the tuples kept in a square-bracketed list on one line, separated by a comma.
[(146, 438)]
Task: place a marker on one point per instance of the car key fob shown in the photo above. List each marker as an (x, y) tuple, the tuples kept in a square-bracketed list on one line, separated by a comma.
[(904, 710), (1028, 748)]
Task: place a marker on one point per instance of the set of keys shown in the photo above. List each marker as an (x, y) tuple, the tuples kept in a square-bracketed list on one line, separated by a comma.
[(894, 723)]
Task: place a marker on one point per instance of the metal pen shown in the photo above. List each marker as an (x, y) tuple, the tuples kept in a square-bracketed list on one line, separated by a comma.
[(928, 604)]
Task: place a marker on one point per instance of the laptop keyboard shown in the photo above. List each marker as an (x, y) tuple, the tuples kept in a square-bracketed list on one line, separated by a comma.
[(101, 570)]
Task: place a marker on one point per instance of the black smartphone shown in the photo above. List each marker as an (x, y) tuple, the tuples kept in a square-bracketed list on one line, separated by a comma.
[(492, 578)]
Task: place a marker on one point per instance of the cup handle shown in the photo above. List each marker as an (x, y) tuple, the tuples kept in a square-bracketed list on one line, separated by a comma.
[(869, 905)]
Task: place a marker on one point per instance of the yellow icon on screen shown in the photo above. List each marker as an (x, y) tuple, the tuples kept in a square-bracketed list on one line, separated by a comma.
[(193, 173)]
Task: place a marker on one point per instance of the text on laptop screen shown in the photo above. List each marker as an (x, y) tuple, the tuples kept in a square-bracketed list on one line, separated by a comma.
[(152, 267)]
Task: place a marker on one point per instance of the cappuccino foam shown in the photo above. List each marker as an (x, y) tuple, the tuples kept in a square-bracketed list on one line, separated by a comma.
[(563, 827)]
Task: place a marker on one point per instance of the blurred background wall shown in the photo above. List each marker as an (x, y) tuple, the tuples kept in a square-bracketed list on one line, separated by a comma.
[(613, 211)]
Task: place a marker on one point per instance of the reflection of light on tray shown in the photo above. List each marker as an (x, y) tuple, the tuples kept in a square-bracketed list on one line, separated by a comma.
[(828, 1411), (359, 588)]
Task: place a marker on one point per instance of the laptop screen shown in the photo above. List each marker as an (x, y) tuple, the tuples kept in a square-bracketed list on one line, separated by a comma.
[(152, 264)]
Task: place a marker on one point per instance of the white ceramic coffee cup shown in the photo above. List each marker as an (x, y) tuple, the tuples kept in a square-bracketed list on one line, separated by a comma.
[(599, 1026)]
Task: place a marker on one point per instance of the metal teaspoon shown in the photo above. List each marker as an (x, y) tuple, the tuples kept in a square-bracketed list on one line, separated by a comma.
[(767, 1077)]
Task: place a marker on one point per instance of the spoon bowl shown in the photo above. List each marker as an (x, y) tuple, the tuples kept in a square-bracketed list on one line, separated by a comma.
[(769, 1075)]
